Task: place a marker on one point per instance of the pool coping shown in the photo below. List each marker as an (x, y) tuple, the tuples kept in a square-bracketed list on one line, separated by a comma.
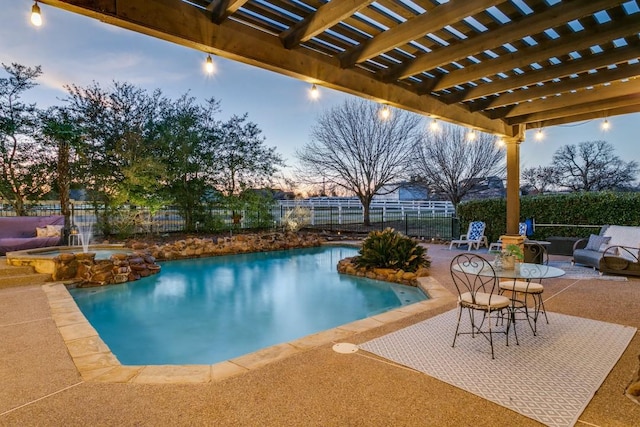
[(96, 363)]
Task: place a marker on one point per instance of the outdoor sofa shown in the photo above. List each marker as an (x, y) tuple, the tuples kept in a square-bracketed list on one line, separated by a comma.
[(18, 233), (616, 249)]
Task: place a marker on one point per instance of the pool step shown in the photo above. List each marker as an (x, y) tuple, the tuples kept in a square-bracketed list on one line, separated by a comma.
[(20, 276)]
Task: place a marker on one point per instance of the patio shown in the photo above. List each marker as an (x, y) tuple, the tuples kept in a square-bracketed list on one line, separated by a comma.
[(41, 385)]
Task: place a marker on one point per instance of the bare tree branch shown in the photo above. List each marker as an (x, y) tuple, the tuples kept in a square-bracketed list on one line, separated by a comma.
[(449, 163), (592, 166), (353, 148)]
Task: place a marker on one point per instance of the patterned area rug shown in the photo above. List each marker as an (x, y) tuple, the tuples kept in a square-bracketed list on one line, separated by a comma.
[(550, 377), (581, 272)]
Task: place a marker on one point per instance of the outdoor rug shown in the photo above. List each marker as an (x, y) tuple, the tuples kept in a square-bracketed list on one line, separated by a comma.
[(550, 377), (582, 272)]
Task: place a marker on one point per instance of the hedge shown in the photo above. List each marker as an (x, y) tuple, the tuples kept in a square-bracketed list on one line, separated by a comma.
[(573, 209)]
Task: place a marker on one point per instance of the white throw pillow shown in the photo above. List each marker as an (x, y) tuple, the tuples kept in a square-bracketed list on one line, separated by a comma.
[(41, 231), (54, 230)]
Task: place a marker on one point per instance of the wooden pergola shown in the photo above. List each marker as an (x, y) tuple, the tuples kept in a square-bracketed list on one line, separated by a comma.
[(495, 66)]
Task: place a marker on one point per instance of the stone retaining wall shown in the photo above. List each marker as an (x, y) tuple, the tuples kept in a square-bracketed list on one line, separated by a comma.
[(120, 268)]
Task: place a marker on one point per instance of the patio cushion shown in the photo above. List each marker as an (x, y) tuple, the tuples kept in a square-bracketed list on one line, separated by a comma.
[(597, 243), (521, 286), (476, 230), (482, 299)]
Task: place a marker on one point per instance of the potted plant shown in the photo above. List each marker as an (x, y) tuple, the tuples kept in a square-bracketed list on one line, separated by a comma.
[(510, 254)]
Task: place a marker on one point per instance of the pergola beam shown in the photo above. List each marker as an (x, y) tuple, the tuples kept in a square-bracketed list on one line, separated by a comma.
[(542, 52), (623, 71), (326, 16), (571, 100), (413, 29), (611, 57), (590, 115), (515, 30), (600, 106), (222, 9)]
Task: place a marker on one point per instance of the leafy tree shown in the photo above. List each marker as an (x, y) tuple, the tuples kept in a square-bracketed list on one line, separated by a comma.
[(356, 150), (188, 133), (119, 151), (449, 163), (242, 162), (25, 165), (61, 132), (592, 166), (539, 178), (241, 157)]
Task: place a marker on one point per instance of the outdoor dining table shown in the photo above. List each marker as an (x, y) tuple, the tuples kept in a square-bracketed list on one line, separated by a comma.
[(523, 271)]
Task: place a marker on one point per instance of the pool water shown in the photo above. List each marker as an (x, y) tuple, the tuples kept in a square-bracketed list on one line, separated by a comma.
[(207, 310)]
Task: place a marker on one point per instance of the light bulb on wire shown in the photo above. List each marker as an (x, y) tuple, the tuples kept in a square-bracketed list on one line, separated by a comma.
[(208, 65), (539, 135), (471, 136), (36, 17), (314, 93), (605, 125), (385, 112), (434, 126)]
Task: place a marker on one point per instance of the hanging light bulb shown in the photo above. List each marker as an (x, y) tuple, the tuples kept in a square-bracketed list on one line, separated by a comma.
[(208, 65), (471, 136), (539, 135), (36, 17), (500, 142), (605, 125), (434, 126), (314, 93), (385, 112)]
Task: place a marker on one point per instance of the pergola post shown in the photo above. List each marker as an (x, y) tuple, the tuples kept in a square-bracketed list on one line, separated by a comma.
[(513, 188)]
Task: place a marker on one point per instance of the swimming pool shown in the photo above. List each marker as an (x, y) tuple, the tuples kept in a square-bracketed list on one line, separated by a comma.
[(207, 310)]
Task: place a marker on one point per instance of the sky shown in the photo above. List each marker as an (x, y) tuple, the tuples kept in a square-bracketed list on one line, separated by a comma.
[(73, 49)]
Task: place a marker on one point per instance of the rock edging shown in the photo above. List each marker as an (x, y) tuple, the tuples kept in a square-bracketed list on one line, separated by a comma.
[(347, 266)]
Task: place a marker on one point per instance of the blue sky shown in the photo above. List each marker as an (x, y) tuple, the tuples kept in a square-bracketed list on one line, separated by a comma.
[(79, 50)]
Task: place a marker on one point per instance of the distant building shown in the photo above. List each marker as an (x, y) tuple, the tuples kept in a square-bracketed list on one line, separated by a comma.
[(404, 191)]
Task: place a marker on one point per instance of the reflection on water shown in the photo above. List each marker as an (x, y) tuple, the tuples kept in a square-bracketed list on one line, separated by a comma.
[(212, 309)]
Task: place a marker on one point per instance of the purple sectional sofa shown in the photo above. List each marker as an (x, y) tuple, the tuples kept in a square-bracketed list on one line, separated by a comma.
[(19, 232)]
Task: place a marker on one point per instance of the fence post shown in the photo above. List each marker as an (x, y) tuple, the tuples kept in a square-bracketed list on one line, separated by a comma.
[(406, 224)]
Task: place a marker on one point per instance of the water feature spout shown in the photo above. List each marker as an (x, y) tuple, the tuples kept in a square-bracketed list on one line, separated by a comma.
[(85, 231)]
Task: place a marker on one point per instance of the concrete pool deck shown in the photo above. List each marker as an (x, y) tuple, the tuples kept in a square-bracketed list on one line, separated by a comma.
[(309, 385)]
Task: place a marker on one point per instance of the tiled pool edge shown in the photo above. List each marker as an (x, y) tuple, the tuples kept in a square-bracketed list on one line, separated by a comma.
[(95, 362)]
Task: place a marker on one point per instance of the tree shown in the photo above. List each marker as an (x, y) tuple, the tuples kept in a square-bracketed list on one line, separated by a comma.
[(189, 133), (539, 178), (592, 166), (120, 153), (354, 149), (449, 163), (25, 164), (241, 157), (62, 133), (242, 162)]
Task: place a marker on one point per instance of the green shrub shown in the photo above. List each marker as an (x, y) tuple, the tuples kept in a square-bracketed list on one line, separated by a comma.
[(577, 210), (389, 249)]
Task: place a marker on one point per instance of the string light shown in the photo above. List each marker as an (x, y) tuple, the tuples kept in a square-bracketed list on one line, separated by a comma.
[(500, 142), (314, 93), (434, 126), (471, 136), (605, 125), (36, 17), (539, 135), (209, 66), (385, 112)]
